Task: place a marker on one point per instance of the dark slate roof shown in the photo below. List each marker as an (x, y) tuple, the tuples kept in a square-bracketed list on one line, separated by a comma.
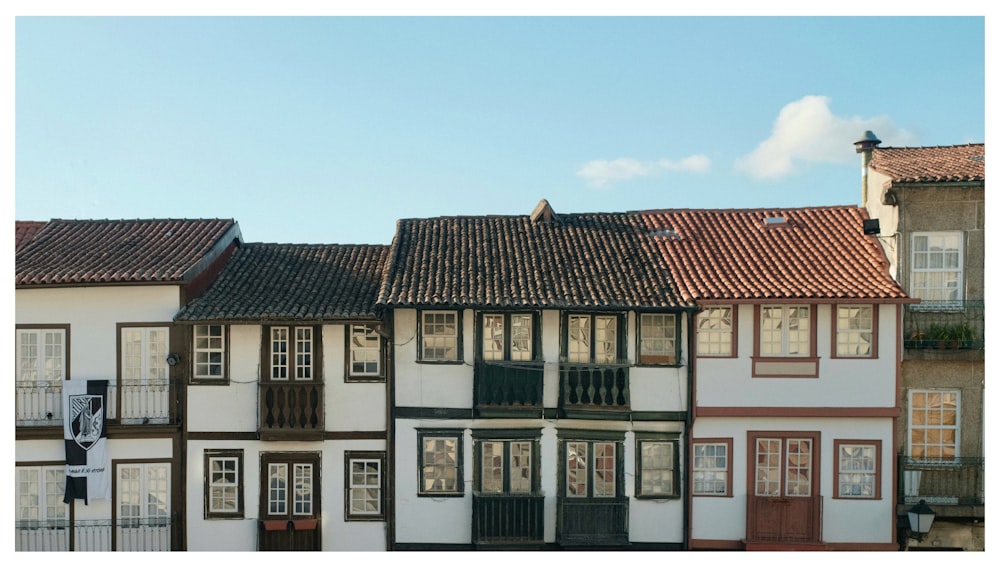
[(293, 282), (818, 253), (598, 260), (932, 164), (86, 252), (24, 230)]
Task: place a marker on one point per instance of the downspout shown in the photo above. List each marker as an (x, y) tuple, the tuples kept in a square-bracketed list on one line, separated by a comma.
[(390, 424), (689, 428)]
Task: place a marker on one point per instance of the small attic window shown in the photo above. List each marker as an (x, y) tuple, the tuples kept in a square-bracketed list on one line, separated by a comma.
[(978, 158), (776, 222), (667, 233)]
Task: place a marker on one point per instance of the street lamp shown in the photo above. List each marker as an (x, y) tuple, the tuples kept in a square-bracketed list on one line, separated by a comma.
[(921, 517)]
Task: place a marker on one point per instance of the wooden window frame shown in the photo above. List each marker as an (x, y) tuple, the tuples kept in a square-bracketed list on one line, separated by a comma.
[(621, 335), (673, 442), (658, 359), (733, 331), (590, 438), (350, 457), (227, 454), (784, 365), (349, 374), (223, 378), (508, 334), (421, 334), (877, 473), (911, 428), (836, 331), (454, 434), (506, 437), (316, 354), (728, 443)]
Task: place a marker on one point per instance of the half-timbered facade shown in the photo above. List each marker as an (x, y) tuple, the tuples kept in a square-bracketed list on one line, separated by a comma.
[(287, 367), (95, 301), (796, 370), (541, 384)]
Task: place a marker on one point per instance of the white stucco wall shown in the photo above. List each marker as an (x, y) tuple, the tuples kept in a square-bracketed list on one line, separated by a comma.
[(728, 382), (348, 406), (92, 314), (241, 534), (843, 520)]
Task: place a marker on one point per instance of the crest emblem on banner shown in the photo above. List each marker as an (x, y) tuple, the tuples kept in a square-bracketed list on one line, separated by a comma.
[(86, 419)]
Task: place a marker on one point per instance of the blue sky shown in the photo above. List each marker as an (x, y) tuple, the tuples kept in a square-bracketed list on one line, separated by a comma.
[(329, 129)]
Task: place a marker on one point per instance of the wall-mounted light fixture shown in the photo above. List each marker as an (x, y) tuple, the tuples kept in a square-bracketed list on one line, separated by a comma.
[(921, 518), (173, 359)]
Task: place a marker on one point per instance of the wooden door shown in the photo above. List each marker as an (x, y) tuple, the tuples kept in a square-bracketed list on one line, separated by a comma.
[(289, 502), (784, 502)]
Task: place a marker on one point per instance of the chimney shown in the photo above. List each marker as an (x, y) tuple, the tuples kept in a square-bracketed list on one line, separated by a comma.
[(864, 147)]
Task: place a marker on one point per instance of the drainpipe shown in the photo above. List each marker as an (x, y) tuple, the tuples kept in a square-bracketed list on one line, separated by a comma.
[(864, 147), (689, 427)]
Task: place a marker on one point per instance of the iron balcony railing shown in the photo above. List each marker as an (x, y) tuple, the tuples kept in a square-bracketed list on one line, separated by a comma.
[(944, 325), (508, 518), (959, 481), (593, 386), (291, 410), (506, 385), (95, 535), (593, 521), (40, 403)]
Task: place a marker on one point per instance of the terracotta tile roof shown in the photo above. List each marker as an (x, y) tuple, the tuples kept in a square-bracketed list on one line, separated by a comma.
[(932, 164), (24, 230), (293, 282), (85, 252), (819, 253), (600, 260)]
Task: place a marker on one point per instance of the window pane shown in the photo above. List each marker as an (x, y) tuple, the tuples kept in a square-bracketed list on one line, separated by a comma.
[(715, 331), (604, 470), (658, 332), (493, 337), (520, 467), (576, 469), (657, 462), (521, 340), (578, 343), (492, 467), (440, 335)]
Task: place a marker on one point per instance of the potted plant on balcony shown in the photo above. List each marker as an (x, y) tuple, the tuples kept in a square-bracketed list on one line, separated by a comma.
[(965, 336), (944, 336), (917, 339)]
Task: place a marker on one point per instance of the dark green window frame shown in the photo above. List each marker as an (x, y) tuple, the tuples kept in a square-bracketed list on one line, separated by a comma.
[(456, 435), (642, 438), (536, 332), (621, 335), (506, 437), (590, 438)]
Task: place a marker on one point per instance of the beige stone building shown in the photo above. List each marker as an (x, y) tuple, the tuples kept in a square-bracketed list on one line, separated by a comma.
[(928, 210)]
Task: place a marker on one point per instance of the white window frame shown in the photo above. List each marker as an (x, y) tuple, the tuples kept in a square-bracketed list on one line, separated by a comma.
[(945, 263), (41, 355), (138, 484), (858, 474), (711, 462), (789, 335), (658, 335), (144, 355), (364, 486), (40, 491), (209, 351), (855, 333), (224, 483), (437, 343), (364, 358), (715, 325), (291, 352), (934, 438)]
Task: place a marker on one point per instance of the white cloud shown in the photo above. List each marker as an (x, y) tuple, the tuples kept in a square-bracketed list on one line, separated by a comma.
[(600, 173), (806, 131)]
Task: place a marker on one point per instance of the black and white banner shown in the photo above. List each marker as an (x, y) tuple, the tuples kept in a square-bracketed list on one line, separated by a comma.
[(88, 470)]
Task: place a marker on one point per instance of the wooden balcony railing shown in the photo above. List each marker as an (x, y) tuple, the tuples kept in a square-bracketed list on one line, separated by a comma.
[(593, 386), (593, 521), (291, 411), (504, 386), (39, 403), (508, 518), (959, 481), (95, 535)]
